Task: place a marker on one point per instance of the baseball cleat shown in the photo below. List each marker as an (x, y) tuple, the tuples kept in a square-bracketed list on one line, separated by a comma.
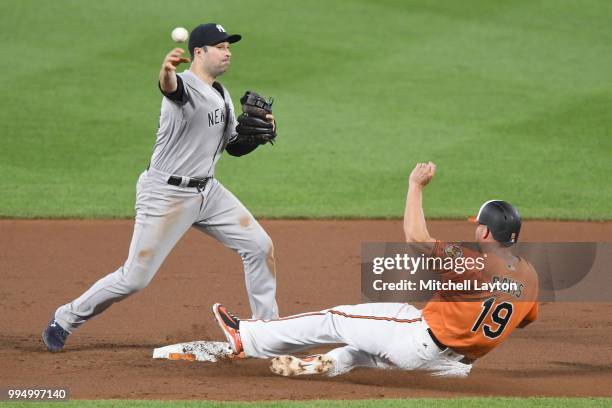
[(230, 325), (288, 366), (54, 336)]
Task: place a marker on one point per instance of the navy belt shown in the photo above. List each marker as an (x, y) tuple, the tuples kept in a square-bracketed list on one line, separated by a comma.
[(199, 183), (442, 346), (438, 343)]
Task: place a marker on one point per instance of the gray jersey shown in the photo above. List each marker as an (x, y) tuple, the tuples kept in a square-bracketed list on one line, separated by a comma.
[(192, 135)]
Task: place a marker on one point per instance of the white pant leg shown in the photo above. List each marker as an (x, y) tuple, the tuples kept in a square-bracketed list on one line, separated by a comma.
[(163, 214), (269, 338), (348, 357), (401, 340), (379, 335), (370, 327), (225, 218)]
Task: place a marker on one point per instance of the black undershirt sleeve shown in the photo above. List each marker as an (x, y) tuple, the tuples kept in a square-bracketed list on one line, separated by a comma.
[(179, 96)]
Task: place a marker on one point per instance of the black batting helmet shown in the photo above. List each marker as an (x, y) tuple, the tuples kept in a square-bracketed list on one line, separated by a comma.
[(502, 219)]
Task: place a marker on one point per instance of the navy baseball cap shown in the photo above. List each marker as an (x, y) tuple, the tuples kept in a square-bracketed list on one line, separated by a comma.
[(502, 219), (210, 34)]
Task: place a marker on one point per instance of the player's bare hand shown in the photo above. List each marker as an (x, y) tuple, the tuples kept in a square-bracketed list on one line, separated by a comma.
[(422, 174), (173, 59), (270, 118)]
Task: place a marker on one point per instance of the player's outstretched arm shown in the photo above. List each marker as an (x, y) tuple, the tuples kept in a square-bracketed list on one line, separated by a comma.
[(415, 227), (167, 74)]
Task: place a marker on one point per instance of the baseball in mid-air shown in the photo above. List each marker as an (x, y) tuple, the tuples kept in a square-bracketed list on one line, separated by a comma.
[(179, 35)]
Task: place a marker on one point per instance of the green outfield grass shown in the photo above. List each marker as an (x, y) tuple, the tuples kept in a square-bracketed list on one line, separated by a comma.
[(390, 403), (511, 99)]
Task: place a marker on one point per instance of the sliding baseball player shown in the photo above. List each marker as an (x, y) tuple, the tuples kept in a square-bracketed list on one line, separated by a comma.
[(445, 338)]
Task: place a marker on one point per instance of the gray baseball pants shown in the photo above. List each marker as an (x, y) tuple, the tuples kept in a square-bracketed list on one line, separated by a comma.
[(163, 214)]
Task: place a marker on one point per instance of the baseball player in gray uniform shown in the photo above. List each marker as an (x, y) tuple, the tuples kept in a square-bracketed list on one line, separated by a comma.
[(179, 190)]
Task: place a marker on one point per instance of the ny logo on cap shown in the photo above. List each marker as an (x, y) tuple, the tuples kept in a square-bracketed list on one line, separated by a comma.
[(220, 28)]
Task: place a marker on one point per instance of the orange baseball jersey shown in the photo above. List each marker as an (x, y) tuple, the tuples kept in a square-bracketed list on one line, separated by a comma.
[(495, 299)]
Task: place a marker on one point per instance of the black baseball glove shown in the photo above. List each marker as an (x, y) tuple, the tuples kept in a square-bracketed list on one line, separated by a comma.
[(252, 126)]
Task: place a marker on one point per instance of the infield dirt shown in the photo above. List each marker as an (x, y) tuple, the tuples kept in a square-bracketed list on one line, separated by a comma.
[(44, 264)]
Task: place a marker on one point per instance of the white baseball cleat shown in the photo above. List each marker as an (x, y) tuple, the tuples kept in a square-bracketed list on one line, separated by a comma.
[(289, 365)]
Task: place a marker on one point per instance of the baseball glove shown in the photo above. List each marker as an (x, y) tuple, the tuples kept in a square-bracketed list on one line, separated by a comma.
[(252, 124)]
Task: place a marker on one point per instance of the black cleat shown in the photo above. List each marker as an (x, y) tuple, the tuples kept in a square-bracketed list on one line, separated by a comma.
[(54, 336)]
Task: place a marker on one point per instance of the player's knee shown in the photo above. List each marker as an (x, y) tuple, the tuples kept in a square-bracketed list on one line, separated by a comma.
[(133, 284), (136, 285), (270, 252), (261, 247), (136, 279)]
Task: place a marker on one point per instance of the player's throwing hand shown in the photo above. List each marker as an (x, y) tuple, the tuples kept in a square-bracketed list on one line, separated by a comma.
[(173, 59), (422, 174)]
